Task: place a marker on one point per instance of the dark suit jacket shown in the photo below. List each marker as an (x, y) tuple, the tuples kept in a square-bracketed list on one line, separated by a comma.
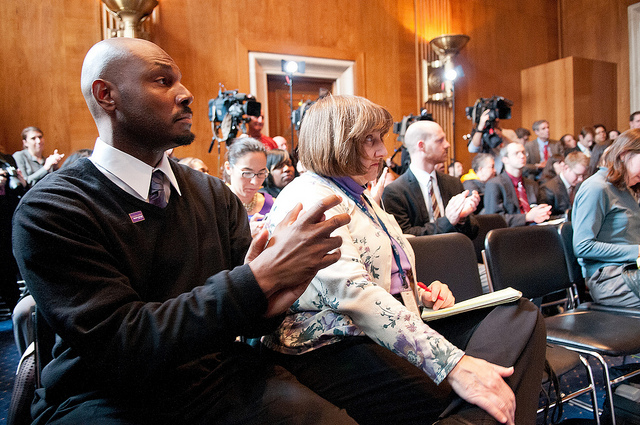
[(533, 156), (555, 194), (403, 198), (478, 186), (500, 198), (596, 155)]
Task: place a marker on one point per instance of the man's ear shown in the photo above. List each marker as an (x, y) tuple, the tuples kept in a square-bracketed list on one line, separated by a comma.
[(104, 94)]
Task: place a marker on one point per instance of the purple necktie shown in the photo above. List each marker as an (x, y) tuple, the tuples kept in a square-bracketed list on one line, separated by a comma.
[(156, 190)]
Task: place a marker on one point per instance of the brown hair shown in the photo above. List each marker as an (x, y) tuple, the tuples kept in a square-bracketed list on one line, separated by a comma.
[(627, 142), (333, 131), (574, 158)]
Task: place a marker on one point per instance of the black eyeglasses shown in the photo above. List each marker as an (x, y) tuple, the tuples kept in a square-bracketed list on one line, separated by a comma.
[(250, 174)]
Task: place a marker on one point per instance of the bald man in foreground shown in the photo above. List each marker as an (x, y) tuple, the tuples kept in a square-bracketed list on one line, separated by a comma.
[(144, 268), (423, 200)]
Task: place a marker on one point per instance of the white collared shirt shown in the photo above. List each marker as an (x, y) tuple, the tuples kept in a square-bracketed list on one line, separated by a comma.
[(566, 184), (129, 173), (541, 146), (423, 179), (585, 150)]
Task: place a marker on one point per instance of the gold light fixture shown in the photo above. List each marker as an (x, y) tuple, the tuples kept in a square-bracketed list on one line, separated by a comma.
[(131, 13), (440, 74)]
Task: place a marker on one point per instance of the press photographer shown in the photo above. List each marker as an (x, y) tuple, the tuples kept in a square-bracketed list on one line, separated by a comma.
[(486, 135), (230, 112)]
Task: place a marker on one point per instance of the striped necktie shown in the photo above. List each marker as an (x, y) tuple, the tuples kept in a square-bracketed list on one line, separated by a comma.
[(435, 209)]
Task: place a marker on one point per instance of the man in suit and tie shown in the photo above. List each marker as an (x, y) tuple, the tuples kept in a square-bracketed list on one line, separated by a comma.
[(540, 149), (513, 195), (560, 190), (425, 201)]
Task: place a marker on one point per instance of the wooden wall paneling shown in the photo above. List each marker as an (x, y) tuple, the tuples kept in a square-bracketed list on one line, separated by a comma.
[(570, 93), (598, 29), (595, 93), (547, 93)]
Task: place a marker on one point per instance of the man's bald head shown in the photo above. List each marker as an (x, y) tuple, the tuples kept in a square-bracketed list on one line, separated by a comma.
[(420, 130), (108, 60)]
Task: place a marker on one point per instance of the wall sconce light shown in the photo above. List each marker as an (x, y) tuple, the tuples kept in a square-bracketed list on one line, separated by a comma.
[(439, 75), (131, 13)]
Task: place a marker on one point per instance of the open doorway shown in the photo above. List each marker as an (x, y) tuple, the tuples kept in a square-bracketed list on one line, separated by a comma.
[(304, 89)]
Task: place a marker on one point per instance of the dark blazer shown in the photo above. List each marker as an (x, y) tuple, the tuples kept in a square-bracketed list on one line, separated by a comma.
[(533, 156), (596, 155), (403, 198), (555, 194), (478, 186), (500, 198)]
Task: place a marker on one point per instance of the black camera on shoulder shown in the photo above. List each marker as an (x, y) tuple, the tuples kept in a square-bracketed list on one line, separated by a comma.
[(499, 108), (231, 110), (400, 128)]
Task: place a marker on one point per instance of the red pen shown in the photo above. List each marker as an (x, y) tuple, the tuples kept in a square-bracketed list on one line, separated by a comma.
[(426, 288)]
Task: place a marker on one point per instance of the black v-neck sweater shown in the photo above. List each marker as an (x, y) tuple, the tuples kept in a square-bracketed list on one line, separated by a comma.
[(138, 294)]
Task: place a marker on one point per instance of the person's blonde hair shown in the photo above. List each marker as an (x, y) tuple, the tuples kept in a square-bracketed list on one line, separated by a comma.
[(333, 132), (627, 142)]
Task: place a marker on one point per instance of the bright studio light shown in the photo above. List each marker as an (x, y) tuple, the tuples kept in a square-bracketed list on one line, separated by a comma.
[(450, 74), (291, 67)]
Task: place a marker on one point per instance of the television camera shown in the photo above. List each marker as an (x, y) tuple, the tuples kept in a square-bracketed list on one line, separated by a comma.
[(499, 108), (229, 112), (400, 128)]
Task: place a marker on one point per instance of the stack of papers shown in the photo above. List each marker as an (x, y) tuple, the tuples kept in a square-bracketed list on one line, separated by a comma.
[(491, 299)]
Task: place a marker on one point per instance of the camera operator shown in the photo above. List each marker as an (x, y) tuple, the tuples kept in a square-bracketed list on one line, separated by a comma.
[(254, 130), (476, 144)]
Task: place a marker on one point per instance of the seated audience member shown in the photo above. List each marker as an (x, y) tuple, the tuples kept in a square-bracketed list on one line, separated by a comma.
[(482, 165), (560, 191), (585, 140), (613, 134), (281, 172), (31, 160), (254, 130), (606, 223), (281, 142), (634, 120), (355, 335), (12, 187), (246, 166), (523, 135), (552, 168), (569, 144), (456, 169), (596, 154), (195, 164), (148, 289), (477, 145), (425, 201), (600, 134), (513, 195), (538, 151), (80, 153)]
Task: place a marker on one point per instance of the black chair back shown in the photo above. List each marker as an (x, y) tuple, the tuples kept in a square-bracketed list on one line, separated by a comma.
[(573, 267), (449, 258), (529, 259), (486, 223)]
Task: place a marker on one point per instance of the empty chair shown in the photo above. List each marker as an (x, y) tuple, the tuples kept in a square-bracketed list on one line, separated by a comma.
[(449, 258), (486, 222), (532, 260)]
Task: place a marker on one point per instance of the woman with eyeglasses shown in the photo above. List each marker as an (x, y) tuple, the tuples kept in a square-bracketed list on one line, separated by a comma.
[(246, 166)]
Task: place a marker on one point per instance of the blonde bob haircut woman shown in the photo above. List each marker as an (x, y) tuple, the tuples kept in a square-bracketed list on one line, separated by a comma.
[(333, 132)]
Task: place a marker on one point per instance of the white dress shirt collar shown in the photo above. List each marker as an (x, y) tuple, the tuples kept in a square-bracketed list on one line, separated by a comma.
[(131, 174)]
